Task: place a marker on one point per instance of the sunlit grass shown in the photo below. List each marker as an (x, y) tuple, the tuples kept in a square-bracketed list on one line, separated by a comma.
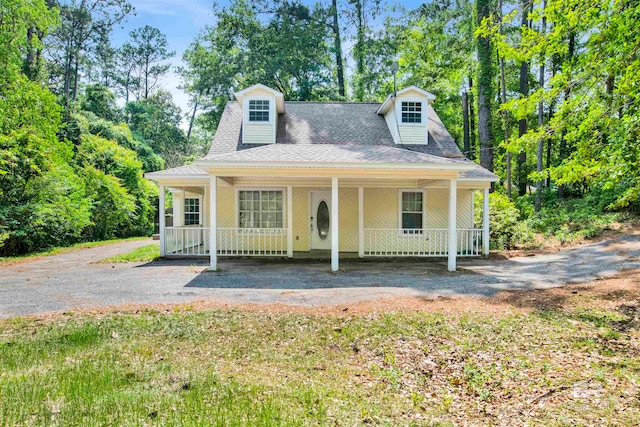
[(232, 367), (142, 254), (64, 249)]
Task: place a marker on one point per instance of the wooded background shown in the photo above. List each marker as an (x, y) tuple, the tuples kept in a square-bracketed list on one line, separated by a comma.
[(545, 94)]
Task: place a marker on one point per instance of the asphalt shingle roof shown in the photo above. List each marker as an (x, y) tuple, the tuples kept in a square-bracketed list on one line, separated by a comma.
[(331, 123), (331, 132), (332, 153)]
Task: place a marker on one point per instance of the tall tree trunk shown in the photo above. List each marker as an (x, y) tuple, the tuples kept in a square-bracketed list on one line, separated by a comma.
[(554, 68), (538, 201), (67, 73), (76, 74), (337, 45), (193, 118), (505, 116), (549, 151), (359, 51), (472, 122), (522, 124), (485, 88), (30, 64), (465, 124), (146, 79), (564, 152)]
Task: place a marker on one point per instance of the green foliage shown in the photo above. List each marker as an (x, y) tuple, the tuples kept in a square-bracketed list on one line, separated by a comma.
[(113, 207), (56, 191), (122, 199), (148, 48), (156, 120), (285, 48), (592, 95), (87, 123), (99, 100), (437, 53), (35, 208), (17, 16), (54, 211), (506, 226), (571, 219)]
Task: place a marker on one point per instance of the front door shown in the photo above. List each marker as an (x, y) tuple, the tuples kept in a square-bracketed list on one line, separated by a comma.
[(320, 221)]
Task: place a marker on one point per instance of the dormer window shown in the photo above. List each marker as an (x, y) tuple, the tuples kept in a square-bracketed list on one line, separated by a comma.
[(411, 112), (259, 110)]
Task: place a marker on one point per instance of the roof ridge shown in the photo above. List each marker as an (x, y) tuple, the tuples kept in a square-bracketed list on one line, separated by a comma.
[(334, 102)]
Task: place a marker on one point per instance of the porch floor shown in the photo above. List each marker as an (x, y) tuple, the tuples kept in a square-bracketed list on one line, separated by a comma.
[(315, 254)]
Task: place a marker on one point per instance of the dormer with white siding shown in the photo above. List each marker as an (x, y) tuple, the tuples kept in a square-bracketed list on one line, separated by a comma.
[(260, 108), (406, 115)]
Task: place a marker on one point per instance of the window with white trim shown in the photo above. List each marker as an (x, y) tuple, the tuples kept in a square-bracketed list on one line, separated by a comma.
[(260, 209), (191, 211), (411, 112), (412, 214), (259, 110)]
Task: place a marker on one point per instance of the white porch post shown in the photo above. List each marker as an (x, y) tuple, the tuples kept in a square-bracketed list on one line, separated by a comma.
[(334, 225), (453, 238), (178, 208), (485, 222), (213, 222), (161, 219), (290, 222), (360, 222)]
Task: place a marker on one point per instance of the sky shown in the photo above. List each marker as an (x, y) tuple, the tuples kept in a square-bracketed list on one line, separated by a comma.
[(181, 21)]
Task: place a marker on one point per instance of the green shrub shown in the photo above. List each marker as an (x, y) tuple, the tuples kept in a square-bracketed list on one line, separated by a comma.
[(507, 229)]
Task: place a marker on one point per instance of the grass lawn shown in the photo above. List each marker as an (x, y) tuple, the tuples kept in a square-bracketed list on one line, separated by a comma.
[(573, 361), (63, 249), (142, 254)]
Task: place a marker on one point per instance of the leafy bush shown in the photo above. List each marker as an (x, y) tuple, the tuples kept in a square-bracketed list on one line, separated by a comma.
[(114, 209), (88, 123), (573, 219), (506, 228), (122, 199)]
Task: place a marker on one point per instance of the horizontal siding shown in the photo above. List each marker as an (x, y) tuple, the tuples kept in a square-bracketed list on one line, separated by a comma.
[(380, 207), (258, 133), (413, 134), (301, 219), (391, 123), (348, 219)]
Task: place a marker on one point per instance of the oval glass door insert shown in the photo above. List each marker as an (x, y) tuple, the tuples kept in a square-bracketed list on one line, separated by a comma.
[(322, 217)]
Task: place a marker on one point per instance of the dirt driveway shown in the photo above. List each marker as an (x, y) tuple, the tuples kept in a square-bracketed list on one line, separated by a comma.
[(76, 280)]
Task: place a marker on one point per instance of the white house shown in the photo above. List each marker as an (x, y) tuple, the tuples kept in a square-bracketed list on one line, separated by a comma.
[(284, 178)]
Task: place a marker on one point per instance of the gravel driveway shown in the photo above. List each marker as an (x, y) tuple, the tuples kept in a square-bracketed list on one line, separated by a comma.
[(78, 280)]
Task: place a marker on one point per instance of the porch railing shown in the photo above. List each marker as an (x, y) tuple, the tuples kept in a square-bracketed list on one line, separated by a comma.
[(186, 241), (194, 241), (398, 242), (469, 241), (420, 243), (252, 241)]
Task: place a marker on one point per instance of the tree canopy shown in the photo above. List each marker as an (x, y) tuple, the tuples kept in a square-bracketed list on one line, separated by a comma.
[(551, 86)]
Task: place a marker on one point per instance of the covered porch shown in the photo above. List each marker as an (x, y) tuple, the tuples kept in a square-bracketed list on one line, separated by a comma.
[(305, 213)]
